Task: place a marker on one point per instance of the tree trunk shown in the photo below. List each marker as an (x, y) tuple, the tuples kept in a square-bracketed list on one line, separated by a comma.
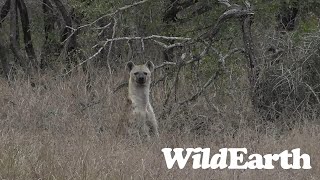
[(48, 18), (13, 34), (27, 32), (67, 36), (3, 53), (68, 23), (287, 16), (17, 25), (48, 21), (253, 71), (4, 63), (4, 11)]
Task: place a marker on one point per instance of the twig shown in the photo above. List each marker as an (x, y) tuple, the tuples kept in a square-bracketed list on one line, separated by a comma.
[(313, 92), (91, 57), (111, 43), (115, 12), (147, 38), (165, 64), (122, 85), (215, 74), (103, 28), (104, 43), (112, 14), (168, 46), (196, 95)]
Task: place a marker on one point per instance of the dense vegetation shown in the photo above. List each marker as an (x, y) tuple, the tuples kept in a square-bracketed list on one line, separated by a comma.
[(228, 73)]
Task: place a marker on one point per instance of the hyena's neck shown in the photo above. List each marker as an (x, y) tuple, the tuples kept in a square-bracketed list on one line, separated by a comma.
[(139, 96)]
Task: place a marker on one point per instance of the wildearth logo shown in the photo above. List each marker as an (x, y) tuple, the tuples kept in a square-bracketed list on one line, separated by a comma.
[(233, 158)]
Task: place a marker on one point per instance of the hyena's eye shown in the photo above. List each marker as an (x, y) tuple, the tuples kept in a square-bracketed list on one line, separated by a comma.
[(136, 73), (145, 73)]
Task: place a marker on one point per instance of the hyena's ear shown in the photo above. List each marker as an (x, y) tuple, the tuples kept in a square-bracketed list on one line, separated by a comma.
[(150, 65), (129, 66)]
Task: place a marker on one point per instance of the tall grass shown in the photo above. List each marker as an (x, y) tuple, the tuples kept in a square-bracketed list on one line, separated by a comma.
[(53, 128)]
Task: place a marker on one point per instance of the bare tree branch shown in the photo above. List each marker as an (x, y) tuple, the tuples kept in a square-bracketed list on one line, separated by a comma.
[(91, 57), (214, 76), (147, 38), (234, 11), (103, 44), (67, 32), (115, 12), (165, 64), (112, 14), (175, 8), (69, 37), (167, 47), (115, 23)]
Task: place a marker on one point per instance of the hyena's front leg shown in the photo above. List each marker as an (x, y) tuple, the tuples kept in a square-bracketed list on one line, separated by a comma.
[(153, 128), (153, 125), (143, 132), (142, 127), (152, 122)]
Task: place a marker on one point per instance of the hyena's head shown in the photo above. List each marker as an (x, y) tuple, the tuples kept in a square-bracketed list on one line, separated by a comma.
[(140, 74)]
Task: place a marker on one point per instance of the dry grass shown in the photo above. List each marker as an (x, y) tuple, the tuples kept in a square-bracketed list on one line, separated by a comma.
[(51, 131)]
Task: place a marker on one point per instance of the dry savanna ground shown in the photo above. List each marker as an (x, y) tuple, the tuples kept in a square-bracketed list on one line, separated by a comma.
[(55, 129)]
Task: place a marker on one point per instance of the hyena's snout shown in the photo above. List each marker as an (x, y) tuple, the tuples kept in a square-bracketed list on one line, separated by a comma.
[(141, 77)]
